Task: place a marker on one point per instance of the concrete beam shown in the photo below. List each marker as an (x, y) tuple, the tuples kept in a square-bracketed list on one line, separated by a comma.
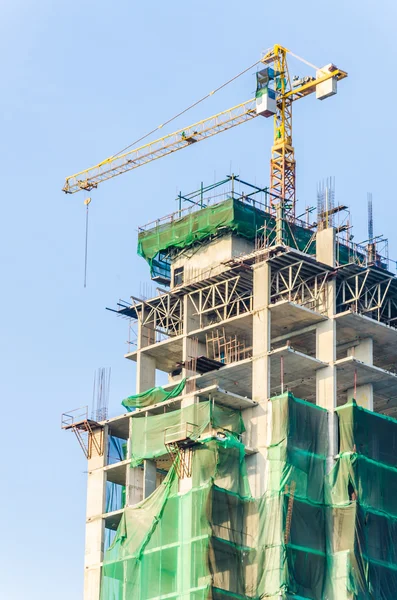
[(290, 335)]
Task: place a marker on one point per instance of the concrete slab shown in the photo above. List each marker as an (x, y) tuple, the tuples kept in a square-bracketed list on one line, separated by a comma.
[(118, 426), (166, 353), (289, 316), (235, 377), (117, 473), (352, 327), (225, 398), (221, 396), (384, 382), (113, 519), (299, 372)]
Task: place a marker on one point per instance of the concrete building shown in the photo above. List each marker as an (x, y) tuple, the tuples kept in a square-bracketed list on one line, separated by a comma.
[(256, 307)]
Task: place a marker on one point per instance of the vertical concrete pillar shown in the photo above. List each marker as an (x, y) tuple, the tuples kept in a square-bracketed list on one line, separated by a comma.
[(186, 527), (190, 348), (134, 485), (256, 419), (326, 382), (146, 379), (149, 477), (95, 526), (134, 477), (363, 394), (145, 365)]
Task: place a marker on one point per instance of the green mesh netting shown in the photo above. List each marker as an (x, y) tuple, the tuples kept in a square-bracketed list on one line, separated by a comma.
[(229, 216), (152, 396), (362, 504), (312, 536), (147, 433), (297, 457), (193, 545)]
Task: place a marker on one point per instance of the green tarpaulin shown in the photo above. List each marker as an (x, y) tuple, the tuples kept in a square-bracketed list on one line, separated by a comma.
[(152, 396), (311, 536), (147, 433)]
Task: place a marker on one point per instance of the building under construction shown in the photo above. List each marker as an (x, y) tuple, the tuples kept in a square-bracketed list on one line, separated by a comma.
[(264, 467)]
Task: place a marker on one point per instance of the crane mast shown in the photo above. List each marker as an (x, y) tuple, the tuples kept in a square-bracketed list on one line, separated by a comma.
[(282, 161)]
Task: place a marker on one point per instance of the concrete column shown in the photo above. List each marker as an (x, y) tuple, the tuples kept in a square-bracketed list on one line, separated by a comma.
[(326, 382), (326, 246), (95, 525), (256, 419), (145, 365), (145, 379), (149, 477), (190, 348), (134, 485), (363, 394), (186, 527), (134, 478)]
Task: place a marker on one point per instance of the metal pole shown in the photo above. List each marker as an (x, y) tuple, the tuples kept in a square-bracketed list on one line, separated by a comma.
[(87, 203), (355, 384), (282, 373)]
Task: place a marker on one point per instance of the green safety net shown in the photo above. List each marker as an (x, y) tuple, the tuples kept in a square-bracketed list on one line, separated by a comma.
[(231, 215), (147, 433), (152, 396), (192, 545), (295, 553), (311, 536), (362, 504)]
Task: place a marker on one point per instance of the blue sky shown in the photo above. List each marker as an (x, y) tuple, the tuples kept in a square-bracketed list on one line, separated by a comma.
[(80, 80)]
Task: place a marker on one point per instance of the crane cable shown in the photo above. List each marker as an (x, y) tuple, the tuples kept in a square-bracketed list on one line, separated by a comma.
[(87, 203), (180, 113)]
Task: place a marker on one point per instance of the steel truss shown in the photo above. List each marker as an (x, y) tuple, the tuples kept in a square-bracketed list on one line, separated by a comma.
[(362, 293), (90, 178), (294, 284), (222, 300), (163, 315)]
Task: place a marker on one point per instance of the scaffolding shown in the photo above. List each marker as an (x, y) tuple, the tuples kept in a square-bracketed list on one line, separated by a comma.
[(226, 349), (89, 433)]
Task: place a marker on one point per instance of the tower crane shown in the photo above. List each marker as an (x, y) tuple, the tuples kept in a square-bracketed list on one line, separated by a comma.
[(274, 96)]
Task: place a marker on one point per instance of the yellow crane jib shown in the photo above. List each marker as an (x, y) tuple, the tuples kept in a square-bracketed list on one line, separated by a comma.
[(90, 178)]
